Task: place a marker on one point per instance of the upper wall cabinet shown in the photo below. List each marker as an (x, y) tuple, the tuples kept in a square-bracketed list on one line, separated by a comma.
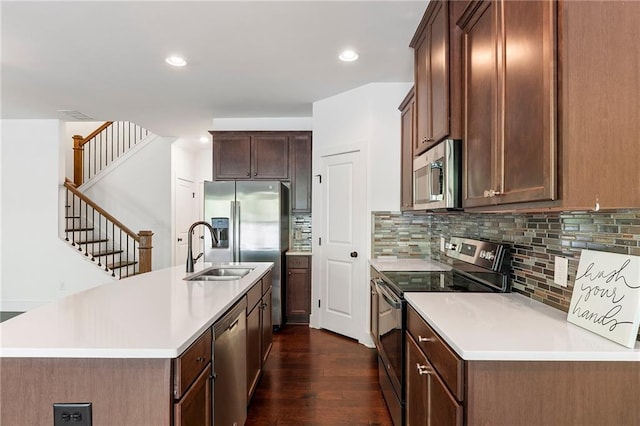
[(250, 155), (550, 105), (437, 97), (510, 115), (267, 155), (300, 171), (407, 137)]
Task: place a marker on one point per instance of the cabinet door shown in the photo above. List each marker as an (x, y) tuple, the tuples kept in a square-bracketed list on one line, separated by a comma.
[(432, 78), (254, 353), (300, 173), (270, 157), (417, 395), (298, 296), (480, 35), (231, 157), (267, 326), (422, 95), (408, 120), (529, 140), (438, 71), (194, 409), (428, 401)]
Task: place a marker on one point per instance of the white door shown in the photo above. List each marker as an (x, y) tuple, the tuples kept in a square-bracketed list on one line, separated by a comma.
[(185, 215), (342, 249)]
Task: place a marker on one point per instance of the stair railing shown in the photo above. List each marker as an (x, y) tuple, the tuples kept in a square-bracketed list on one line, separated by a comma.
[(103, 238), (107, 143)]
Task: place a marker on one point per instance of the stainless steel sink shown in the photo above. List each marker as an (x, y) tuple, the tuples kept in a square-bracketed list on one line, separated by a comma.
[(220, 273)]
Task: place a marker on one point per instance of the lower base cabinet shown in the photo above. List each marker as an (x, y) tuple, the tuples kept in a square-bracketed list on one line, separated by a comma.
[(442, 389), (194, 409), (259, 331), (298, 289)]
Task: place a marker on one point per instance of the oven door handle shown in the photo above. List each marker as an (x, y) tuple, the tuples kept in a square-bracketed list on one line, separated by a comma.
[(391, 300)]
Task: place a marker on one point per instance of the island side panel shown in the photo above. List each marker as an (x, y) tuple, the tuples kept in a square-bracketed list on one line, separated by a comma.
[(123, 392), (552, 393)]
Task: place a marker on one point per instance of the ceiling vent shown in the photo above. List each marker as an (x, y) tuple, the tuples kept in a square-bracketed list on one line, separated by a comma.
[(76, 115)]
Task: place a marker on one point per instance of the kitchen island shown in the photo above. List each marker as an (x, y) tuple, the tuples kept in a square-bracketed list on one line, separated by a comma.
[(122, 346)]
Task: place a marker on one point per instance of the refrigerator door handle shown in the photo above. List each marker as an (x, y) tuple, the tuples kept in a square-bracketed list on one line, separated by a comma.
[(235, 214)]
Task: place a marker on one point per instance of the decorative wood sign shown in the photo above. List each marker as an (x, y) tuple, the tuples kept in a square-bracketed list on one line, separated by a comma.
[(606, 296)]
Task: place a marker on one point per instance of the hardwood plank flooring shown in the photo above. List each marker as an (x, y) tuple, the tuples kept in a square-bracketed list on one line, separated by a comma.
[(315, 378)]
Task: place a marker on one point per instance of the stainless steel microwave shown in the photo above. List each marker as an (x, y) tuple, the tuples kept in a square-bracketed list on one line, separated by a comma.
[(437, 177)]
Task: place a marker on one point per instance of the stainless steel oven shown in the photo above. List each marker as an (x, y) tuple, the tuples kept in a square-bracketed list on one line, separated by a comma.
[(390, 344), (436, 177), (476, 266)]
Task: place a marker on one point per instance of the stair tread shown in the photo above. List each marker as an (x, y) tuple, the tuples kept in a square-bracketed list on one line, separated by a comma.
[(97, 240), (106, 252), (78, 229), (122, 264)]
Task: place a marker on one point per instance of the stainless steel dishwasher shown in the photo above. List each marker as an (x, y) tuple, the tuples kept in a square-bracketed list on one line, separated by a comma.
[(230, 367)]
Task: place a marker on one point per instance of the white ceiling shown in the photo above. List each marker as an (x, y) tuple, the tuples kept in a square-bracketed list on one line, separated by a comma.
[(246, 58)]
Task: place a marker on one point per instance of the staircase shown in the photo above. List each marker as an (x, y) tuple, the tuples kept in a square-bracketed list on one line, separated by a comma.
[(89, 229)]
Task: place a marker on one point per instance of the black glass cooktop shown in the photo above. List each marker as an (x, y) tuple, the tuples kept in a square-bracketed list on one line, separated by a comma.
[(449, 281)]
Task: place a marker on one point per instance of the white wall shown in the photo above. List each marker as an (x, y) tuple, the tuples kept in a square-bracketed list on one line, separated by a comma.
[(367, 117), (263, 123), (139, 195), (36, 266)]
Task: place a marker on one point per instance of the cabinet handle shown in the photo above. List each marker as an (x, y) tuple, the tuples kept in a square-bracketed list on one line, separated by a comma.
[(200, 359), (255, 173), (423, 369), (488, 193), (426, 339), (248, 174)]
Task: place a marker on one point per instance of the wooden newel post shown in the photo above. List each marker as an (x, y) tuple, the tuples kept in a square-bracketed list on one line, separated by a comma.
[(145, 247), (78, 151)]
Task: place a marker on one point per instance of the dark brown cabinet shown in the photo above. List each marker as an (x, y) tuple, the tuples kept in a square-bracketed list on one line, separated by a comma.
[(298, 290), (437, 76), (434, 377), (194, 409), (300, 171), (407, 138), (259, 330), (250, 155), (509, 66), (192, 383)]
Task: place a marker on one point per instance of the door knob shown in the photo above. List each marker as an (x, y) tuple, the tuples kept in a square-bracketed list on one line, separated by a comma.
[(179, 239), (354, 254)]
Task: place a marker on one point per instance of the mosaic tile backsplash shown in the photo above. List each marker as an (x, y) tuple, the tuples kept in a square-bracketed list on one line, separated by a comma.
[(534, 238), (300, 235)]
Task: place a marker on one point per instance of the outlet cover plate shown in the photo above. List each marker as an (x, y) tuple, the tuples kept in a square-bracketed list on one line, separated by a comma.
[(72, 414), (561, 270)]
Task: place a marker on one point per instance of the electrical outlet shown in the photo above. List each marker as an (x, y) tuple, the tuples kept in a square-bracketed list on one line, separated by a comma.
[(561, 270), (442, 244), (76, 414)]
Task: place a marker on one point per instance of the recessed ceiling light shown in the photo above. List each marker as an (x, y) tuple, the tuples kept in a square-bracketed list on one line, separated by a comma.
[(348, 55), (204, 139), (176, 61)]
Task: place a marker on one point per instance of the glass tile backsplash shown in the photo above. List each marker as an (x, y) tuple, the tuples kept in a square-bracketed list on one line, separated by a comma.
[(535, 239)]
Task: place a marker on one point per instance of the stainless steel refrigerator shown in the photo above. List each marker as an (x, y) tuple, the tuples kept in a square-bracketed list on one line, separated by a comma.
[(251, 222)]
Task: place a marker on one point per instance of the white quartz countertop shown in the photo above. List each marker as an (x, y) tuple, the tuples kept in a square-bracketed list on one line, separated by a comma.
[(298, 253), (152, 315), (390, 264), (512, 327)]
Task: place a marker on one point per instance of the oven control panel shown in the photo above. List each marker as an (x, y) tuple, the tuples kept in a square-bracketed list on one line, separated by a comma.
[(480, 253)]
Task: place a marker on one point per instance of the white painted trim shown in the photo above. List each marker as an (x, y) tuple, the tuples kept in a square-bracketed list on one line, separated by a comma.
[(118, 162)]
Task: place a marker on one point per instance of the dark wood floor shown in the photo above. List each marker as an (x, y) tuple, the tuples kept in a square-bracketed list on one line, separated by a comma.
[(314, 377)]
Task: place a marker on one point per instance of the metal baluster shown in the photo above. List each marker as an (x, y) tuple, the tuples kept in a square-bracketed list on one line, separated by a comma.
[(100, 234)]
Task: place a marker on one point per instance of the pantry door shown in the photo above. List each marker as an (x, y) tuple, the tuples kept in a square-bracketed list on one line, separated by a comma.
[(341, 244)]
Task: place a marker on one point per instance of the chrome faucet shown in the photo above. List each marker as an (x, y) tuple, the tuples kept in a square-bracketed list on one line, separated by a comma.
[(214, 241)]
